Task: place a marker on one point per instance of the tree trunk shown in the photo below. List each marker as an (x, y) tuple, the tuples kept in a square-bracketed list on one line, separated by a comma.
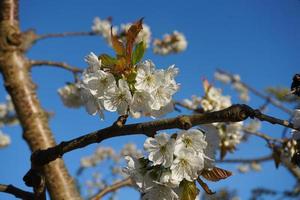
[(18, 83)]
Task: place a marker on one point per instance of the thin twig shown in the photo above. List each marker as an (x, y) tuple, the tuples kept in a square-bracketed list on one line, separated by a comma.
[(66, 34), (18, 193), (183, 105), (258, 93), (249, 160), (63, 65), (262, 135), (117, 185)]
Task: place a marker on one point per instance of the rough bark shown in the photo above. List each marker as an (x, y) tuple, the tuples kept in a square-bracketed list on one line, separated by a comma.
[(18, 82)]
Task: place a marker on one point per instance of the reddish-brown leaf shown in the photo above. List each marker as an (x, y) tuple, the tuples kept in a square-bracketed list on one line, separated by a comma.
[(116, 44), (215, 174), (131, 35), (205, 187)]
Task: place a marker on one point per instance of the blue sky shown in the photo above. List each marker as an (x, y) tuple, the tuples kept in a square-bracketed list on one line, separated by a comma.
[(258, 39)]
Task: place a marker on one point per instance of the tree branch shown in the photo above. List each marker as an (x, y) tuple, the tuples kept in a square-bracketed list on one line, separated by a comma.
[(63, 65), (120, 184), (249, 160), (65, 34), (232, 114), (17, 80), (262, 135), (18, 193), (258, 93)]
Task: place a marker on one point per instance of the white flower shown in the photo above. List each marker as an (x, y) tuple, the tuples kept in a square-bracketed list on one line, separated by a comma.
[(70, 95), (255, 166), (192, 104), (213, 94), (118, 98), (244, 168), (87, 162), (131, 150), (99, 82), (92, 105), (161, 149), (141, 102), (167, 179), (93, 62), (192, 139), (161, 192), (162, 111), (161, 96), (3, 110), (212, 138), (4, 140), (186, 165), (139, 174), (206, 105), (103, 27), (224, 78), (171, 43), (169, 78), (100, 26), (180, 43), (253, 126), (232, 135), (225, 102), (147, 78)]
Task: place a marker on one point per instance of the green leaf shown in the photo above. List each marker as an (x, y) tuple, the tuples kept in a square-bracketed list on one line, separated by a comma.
[(188, 190), (107, 61), (138, 52)]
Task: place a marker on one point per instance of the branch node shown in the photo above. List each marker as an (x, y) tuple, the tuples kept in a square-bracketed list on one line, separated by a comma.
[(185, 122), (121, 121), (32, 178)]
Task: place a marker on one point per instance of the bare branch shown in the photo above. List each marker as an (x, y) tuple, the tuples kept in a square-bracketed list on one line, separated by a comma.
[(18, 193), (249, 160), (258, 93), (63, 65), (120, 184), (262, 135), (232, 114), (66, 34)]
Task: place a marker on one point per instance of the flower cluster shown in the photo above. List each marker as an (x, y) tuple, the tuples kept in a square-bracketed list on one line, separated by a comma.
[(70, 95), (171, 161), (229, 133), (7, 113), (4, 140), (171, 43), (236, 84), (101, 154), (103, 27), (7, 117), (144, 90), (213, 99), (254, 166)]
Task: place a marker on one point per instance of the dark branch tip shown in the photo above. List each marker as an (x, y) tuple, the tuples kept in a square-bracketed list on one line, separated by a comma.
[(33, 178)]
